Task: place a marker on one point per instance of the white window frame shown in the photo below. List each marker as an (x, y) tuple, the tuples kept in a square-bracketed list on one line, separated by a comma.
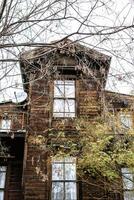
[(64, 99), (5, 125), (126, 121), (128, 183), (3, 171), (64, 179)]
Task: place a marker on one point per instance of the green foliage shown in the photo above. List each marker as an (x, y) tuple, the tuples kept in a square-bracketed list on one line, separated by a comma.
[(101, 146), (104, 151)]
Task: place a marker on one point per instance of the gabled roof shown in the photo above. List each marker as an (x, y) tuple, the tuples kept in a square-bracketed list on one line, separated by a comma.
[(65, 46), (68, 48)]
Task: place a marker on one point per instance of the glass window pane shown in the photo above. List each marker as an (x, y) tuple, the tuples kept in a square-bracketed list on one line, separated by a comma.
[(69, 91), (57, 191), (128, 179), (2, 179), (1, 195), (129, 195), (59, 91), (69, 105), (2, 168), (6, 123), (70, 191), (126, 121), (70, 171), (57, 171), (59, 105)]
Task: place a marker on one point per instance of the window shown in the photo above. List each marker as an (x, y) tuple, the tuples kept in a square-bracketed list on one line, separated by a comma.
[(64, 98), (126, 121), (128, 184), (2, 181), (5, 124), (64, 179)]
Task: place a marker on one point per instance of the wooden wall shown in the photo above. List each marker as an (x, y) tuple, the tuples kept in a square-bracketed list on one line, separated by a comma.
[(41, 119)]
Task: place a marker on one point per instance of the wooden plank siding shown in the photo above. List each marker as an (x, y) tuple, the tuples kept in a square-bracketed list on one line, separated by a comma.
[(35, 188), (14, 189), (41, 119), (38, 122)]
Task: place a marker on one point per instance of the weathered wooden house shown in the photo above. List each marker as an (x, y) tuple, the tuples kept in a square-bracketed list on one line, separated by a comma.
[(64, 81)]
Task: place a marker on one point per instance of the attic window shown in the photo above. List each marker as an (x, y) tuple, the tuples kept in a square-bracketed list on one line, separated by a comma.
[(64, 98)]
